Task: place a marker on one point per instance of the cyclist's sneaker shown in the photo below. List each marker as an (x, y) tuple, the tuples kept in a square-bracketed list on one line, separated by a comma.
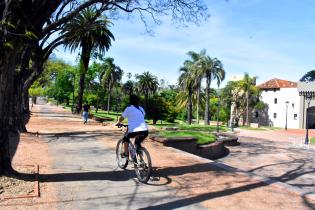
[(138, 149), (134, 160), (123, 155)]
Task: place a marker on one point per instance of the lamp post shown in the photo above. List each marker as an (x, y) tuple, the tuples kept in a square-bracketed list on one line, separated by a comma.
[(218, 114), (72, 107), (308, 96), (308, 100), (286, 115)]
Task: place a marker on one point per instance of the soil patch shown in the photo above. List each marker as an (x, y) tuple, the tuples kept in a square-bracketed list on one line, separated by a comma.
[(20, 184)]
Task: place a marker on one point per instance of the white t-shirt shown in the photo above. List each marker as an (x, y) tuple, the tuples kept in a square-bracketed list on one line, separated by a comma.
[(135, 119)]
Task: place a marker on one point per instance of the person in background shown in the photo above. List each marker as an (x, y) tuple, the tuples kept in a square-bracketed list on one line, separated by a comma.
[(85, 114)]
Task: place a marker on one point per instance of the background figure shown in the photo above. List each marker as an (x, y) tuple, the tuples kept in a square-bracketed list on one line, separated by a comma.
[(85, 114)]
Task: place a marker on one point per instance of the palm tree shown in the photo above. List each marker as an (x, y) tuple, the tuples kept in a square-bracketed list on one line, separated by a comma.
[(198, 75), (147, 84), (212, 69), (110, 75), (128, 87), (186, 81), (88, 31), (247, 84)]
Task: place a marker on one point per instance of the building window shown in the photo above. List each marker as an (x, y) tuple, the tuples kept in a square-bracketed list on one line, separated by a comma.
[(275, 115), (295, 116), (276, 100), (256, 114)]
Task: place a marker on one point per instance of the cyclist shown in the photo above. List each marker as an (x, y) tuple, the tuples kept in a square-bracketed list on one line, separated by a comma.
[(136, 124)]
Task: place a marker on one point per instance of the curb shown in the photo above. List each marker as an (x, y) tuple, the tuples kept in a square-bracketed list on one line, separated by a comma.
[(36, 193)]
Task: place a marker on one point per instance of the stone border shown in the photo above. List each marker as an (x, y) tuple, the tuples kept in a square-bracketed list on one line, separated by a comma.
[(213, 150), (102, 119), (36, 193), (228, 139)]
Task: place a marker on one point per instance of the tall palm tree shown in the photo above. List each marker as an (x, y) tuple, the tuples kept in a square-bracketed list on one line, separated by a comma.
[(147, 84), (111, 75), (247, 84), (198, 75), (186, 81), (212, 69), (88, 31)]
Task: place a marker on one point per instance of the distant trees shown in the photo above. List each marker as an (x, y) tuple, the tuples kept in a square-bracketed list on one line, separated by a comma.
[(248, 85), (308, 77), (147, 84), (111, 75), (242, 96), (201, 66)]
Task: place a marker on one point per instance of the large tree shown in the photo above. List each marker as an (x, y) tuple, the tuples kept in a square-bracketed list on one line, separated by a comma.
[(26, 40), (88, 31)]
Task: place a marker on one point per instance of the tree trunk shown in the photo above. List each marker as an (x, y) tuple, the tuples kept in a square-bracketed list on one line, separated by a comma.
[(247, 108), (8, 61), (85, 59), (189, 110), (108, 99), (80, 92), (198, 102), (207, 107)]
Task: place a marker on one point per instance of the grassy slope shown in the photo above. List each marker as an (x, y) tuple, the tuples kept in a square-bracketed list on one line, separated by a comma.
[(202, 137)]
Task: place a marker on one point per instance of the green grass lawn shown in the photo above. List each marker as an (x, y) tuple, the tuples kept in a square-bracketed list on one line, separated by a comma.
[(202, 138), (312, 140), (102, 113)]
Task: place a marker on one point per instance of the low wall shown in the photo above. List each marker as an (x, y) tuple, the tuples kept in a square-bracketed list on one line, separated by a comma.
[(188, 144)]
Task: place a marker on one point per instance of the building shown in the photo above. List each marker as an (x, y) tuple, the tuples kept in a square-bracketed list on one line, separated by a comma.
[(282, 104)]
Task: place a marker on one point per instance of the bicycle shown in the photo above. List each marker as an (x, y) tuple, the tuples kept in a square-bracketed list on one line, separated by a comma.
[(140, 158)]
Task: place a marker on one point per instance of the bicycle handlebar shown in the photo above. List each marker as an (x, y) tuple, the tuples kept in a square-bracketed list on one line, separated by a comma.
[(121, 125)]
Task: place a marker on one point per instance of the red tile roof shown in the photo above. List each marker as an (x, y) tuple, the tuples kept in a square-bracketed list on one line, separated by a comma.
[(277, 83)]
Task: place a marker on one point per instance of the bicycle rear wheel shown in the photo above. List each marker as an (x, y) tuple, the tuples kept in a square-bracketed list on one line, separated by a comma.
[(121, 161), (143, 166)]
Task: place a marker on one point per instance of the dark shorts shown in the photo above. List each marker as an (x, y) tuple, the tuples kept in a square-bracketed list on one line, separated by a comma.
[(140, 136)]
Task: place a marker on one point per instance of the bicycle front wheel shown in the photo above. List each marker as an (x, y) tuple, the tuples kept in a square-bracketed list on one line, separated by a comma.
[(143, 166), (121, 161)]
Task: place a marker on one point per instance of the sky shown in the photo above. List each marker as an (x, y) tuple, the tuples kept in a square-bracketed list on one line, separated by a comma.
[(265, 38)]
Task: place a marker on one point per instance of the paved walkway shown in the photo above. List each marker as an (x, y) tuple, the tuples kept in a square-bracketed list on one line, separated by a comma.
[(285, 162), (86, 175)]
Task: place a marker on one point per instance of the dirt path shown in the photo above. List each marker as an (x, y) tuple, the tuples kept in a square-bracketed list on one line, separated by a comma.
[(82, 172)]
